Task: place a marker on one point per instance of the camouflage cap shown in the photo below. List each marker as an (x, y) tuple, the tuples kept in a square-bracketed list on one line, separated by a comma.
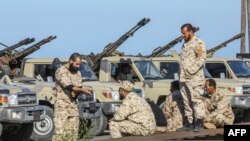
[(127, 85)]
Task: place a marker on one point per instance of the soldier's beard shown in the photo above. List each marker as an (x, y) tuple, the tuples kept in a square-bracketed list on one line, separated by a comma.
[(72, 69)]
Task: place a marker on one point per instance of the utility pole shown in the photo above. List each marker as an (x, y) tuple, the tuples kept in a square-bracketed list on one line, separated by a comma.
[(243, 26), (248, 24)]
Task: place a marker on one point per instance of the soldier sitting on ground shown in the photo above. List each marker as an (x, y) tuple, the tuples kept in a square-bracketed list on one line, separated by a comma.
[(125, 73), (218, 107), (173, 109), (134, 117)]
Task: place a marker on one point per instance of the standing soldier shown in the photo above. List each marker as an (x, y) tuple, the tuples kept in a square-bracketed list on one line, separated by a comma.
[(192, 59), (134, 117), (68, 86), (218, 107)]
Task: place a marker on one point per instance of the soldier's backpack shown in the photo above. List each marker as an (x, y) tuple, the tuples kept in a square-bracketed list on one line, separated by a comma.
[(158, 113)]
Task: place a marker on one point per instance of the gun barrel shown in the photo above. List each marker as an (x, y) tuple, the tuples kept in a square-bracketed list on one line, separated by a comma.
[(31, 49), (211, 51), (111, 47), (159, 51), (9, 49)]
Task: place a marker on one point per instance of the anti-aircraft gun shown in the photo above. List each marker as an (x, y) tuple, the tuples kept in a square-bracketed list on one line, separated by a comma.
[(159, 51), (5, 54), (94, 60), (10, 49), (17, 57), (211, 51)]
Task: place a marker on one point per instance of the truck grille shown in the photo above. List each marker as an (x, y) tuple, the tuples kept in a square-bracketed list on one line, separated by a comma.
[(85, 98), (246, 89), (27, 99)]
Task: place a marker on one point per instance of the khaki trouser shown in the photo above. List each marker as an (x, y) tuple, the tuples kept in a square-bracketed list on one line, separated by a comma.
[(194, 105), (125, 128), (66, 121)]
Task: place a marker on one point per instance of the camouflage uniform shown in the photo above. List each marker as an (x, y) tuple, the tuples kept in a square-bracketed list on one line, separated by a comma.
[(174, 111), (218, 109), (134, 117), (192, 80), (66, 114)]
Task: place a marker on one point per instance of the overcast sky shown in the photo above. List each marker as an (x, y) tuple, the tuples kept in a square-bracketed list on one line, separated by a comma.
[(87, 26)]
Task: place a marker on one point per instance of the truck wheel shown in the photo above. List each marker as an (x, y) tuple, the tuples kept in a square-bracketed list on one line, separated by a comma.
[(22, 134), (43, 130), (99, 125)]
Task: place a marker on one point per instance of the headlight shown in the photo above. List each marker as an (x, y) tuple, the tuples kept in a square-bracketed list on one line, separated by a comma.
[(115, 95), (16, 115), (12, 99), (239, 90), (112, 95)]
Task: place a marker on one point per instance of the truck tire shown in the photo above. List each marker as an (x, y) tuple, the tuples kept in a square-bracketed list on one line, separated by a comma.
[(43, 130), (23, 134), (99, 125)]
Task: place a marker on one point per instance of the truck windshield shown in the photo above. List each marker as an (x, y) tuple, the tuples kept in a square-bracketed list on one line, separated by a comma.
[(148, 70), (240, 68), (87, 73)]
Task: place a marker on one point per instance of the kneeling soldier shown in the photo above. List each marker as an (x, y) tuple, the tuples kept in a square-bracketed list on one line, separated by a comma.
[(218, 107), (134, 117)]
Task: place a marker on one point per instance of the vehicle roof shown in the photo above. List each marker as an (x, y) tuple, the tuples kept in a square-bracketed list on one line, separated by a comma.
[(43, 60), (224, 59), (118, 58)]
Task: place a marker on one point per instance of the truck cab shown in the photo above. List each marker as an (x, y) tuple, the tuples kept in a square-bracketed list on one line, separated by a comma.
[(233, 88), (106, 94), (144, 73), (43, 130)]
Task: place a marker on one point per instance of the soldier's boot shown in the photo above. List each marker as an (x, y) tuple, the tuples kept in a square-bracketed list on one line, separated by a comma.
[(198, 125), (186, 128)]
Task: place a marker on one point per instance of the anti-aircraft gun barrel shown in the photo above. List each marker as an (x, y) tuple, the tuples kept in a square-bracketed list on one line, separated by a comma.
[(159, 51), (111, 47), (9, 49), (211, 51), (22, 54)]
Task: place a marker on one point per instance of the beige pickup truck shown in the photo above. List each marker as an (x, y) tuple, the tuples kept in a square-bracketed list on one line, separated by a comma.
[(19, 109), (106, 93), (237, 90)]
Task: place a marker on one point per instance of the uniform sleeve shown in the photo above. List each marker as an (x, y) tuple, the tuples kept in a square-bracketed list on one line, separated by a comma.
[(62, 78), (200, 52), (221, 106), (123, 112)]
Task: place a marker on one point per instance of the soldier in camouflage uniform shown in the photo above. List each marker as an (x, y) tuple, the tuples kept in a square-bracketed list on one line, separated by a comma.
[(192, 59), (68, 85), (134, 117), (218, 107), (173, 108)]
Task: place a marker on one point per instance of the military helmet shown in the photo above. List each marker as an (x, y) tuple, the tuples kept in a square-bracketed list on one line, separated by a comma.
[(127, 85)]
